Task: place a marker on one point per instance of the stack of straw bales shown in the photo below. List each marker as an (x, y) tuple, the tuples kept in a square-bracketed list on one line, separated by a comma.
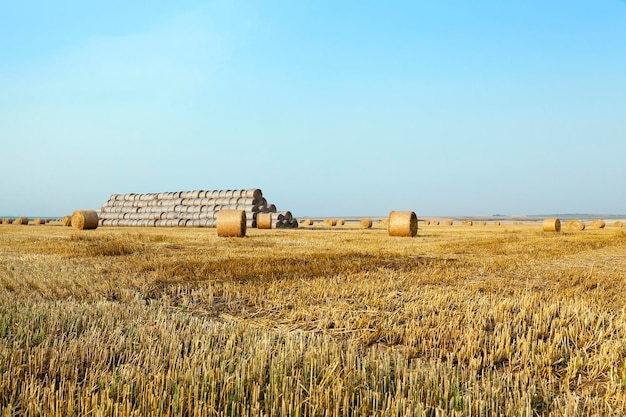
[(284, 220), (183, 208)]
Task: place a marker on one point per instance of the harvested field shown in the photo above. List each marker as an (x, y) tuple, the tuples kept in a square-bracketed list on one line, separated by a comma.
[(456, 321)]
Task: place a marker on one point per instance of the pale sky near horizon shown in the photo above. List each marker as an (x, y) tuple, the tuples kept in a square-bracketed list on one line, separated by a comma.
[(330, 107)]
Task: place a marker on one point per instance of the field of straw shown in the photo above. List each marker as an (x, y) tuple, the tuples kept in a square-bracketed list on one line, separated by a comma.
[(492, 321)]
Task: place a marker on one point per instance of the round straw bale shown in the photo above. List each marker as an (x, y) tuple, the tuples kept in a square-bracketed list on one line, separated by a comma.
[(578, 225), (330, 222), (308, 222), (264, 221), (21, 220), (254, 193), (40, 221), (551, 225), (402, 223), (426, 222), (496, 223), (366, 223), (340, 222), (436, 222), (85, 220), (449, 222), (618, 224), (598, 224), (7, 221), (231, 223)]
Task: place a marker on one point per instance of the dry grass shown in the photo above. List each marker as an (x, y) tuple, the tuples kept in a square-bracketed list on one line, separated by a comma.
[(494, 321)]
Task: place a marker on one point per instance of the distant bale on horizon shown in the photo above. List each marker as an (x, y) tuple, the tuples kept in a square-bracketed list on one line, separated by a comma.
[(21, 221), (598, 224), (366, 223), (576, 225), (67, 221), (552, 225), (40, 221)]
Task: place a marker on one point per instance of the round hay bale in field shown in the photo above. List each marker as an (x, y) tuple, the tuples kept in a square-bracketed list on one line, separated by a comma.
[(21, 221), (552, 225), (449, 222), (7, 221), (340, 222), (436, 222), (618, 224), (496, 223), (308, 222), (598, 224), (40, 221), (577, 225), (402, 224), (231, 223), (366, 223), (483, 223), (330, 222), (85, 220), (426, 222), (264, 221), (468, 223)]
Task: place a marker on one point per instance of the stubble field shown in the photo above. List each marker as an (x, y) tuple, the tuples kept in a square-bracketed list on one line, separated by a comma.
[(481, 321)]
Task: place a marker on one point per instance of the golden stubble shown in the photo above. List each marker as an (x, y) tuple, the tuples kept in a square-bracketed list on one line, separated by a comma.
[(501, 320)]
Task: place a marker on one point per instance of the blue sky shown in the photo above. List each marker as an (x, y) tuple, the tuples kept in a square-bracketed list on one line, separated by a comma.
[(332, 108)]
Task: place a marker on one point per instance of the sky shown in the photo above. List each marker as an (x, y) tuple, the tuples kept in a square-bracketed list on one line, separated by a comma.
[(331, 108)]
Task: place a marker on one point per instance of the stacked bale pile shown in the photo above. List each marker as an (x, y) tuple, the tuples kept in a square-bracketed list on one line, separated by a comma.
[(284, 220), (186, 208)]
